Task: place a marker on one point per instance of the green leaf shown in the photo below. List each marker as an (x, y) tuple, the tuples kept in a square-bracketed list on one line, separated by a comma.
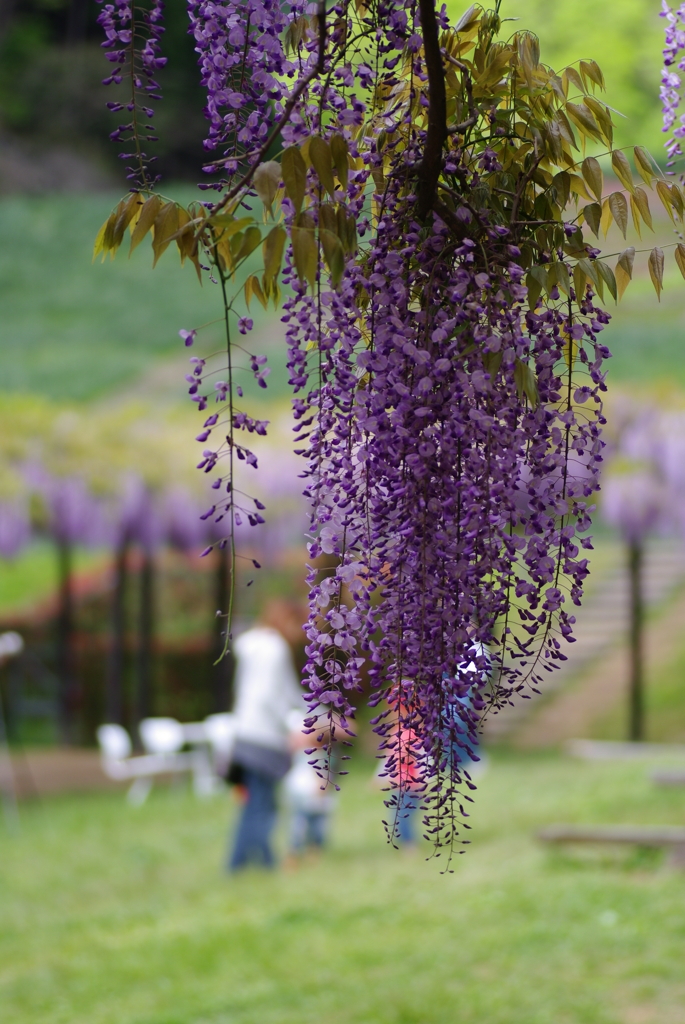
[(619, 210), (525, 381), (593, 216), (339, 152), (680, 257), (592, 173), (608, 275), (322, 162), (147, 218), (621, 167), (624, 269), (656, 269), (294, 171)]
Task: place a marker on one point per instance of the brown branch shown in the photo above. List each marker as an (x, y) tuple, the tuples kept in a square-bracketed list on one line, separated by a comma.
[(472, 119), (436, 136)]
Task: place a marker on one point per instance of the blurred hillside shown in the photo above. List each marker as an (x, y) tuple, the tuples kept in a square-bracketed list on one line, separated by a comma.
[(54, 126)]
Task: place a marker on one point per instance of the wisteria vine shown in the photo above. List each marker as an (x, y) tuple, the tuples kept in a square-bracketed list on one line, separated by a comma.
[(443, 319)]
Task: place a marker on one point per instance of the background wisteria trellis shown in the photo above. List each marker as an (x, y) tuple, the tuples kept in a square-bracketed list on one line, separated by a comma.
[(425, 187)]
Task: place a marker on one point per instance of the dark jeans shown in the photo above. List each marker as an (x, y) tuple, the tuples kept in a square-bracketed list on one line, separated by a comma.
[(308, 828), (407, 807), (256, 823)]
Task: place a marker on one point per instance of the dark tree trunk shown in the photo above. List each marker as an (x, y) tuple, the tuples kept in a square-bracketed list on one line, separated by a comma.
[(221, 668), (114, 692), (637, 711), (67, 697), (146, 626), (77, 22)]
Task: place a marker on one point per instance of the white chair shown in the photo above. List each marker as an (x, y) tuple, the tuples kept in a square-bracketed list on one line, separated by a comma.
[(220, 730), (166, 736), (118, 764), (161, 735)]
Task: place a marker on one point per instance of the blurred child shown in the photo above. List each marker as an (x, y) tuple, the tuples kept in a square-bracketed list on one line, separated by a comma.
[(402, 769), (310, 798)]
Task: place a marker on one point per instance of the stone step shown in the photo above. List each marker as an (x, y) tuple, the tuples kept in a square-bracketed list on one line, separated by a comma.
[(601, 624)]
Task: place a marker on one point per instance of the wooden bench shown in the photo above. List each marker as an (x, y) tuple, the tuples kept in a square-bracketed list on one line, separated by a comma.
[(668, 778), (669, 837), (614, 750)]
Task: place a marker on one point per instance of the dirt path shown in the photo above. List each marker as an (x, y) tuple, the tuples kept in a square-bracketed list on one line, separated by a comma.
[(572, 713)]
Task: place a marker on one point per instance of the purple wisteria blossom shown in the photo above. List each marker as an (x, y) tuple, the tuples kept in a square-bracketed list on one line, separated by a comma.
[(132, 34), (671, 78)]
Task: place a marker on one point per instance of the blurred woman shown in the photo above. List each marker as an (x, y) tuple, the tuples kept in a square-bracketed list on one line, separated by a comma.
[(267, 691)]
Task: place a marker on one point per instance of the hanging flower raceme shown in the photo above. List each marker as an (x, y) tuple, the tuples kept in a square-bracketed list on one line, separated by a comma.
[(132, 34), (443, 324), (671, 80), (245, 68)]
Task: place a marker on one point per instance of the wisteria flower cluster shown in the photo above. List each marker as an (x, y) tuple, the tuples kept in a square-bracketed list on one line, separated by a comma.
[(427, 193), (671, 80), (132, 41)]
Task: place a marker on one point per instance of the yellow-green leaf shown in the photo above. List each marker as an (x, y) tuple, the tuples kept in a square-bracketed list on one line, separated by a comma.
[(147, 218), (579, 282), (602, 116), (322, 162), (574, 77), (333, 255), (605, 222), (677, 200), (592, 173), (266, 180), (624, 269), (339, 152), (642, 203), (166, 225), (273, 252), (643, 162), (680, 257), (294, 171), (664, 193), (100, 240), (251, 240), (656, 269), (621, 167), (619, 210), (582, 116), (305, 253), (593, 71), (252, 287)]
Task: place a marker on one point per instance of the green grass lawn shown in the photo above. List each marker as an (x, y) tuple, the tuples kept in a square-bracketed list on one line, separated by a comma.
[(73, 329), (32, 576), (118, 916)]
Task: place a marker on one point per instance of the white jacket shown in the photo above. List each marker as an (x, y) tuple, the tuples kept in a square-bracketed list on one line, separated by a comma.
[(266, 688)]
